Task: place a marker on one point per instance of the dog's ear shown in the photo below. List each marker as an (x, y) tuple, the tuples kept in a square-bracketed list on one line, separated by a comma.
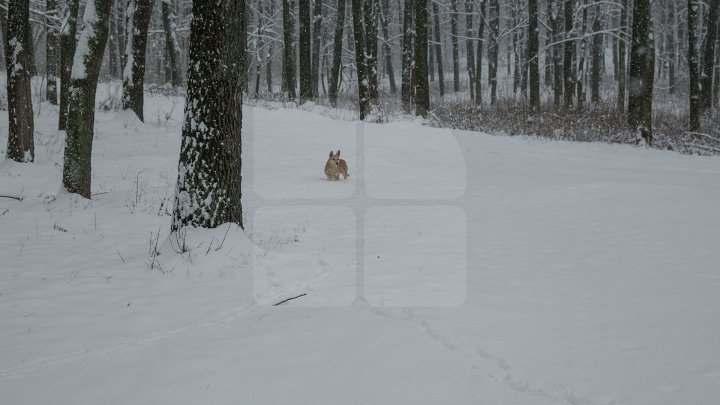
[(331, 154), (338, 154)]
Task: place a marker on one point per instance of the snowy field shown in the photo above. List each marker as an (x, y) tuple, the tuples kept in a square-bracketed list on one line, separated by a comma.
[(450, 268)]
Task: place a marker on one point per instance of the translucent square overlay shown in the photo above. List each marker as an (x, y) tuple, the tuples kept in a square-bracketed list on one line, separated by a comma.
[(292, 167), (415, 256), (403, 161), (304, 250)]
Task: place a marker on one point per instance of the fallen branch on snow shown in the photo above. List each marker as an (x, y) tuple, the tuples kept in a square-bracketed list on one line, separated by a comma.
[(288, 299), (14, 197)]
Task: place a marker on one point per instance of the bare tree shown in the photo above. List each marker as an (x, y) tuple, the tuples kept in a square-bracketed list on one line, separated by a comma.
[(407, 56), (420, 73), (455, 44), (305, 59), (67, 53), (288, 83), (317, 45), (51, 50), (438, 48), (21, 143), (360, 62), (706, 79), (337, 52), (532, 54), (172, 46), (138, 18), (693, 65), (642, 72)]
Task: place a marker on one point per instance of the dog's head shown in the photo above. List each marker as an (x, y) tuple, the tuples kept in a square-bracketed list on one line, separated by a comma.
[(334, 158)]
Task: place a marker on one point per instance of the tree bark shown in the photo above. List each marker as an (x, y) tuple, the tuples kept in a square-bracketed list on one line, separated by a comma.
[(693, 65), (569, 47), (407, 57), (438, 48), (21, 143), (305, 55), (420, 74), (138, 19), (67, 53), (172, 46), (81, 101), (493, 50), (642, 72), (479, 53), (455, 45), (51, 51), (622, 68), (470, 47), (711, 22), (317, 44), (371, 43), (671, 46), (597, 55), (208, 191), (387, 51), (360, 62), (337, 53), (288, 84), (532, 54)]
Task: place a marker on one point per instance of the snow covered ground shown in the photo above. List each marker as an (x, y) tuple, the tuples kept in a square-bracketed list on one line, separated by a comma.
[(450, 268)]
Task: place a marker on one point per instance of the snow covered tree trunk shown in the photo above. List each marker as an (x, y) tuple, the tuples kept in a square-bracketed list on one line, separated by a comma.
[(172, 46), (479, 53), (532, 54), (360, 62), (288, 83), (21, 144), (569, 47), (371, 44), (386, 47), (81, 97), (138, 18), (306, 92), (642, 72), (51, 50), (420, 73), (711, 22), (208, 190), (455, 44), (317, 45), (469, 47), (67, 53), (438, 48), (693, 65), (337, 52), (597, 55), (406, 87), (622, 68)]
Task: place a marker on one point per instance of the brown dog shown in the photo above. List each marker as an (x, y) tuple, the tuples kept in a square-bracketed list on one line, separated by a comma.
[(335, 167)]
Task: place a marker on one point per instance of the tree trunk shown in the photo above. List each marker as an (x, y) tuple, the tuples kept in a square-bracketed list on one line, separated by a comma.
[(580, 78), (268, 65), (51, 50), (288, 83), (362, 79), (67, 53), (407, 57), (642, 72), (420, 74), (81, 101), (597, 55), (556, 52), (32, 67), (693, 65), (493, 50), (337, 53), (569, 47), (371, 44), (317, 44), (671, 45), (172, 46), (455, 45), (532, 54), (305, 55), (479, 54), (21, 143), (469, 47), (711, 22), (208, 191), (387, 51), (3, 35), (138, 18), (622, 68), (438, 48)]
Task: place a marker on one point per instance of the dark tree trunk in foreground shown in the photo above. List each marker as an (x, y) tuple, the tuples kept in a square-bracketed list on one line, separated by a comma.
[(597, 55), (81, 101), (554, 17), (420, 74), (438, 48), (172, 47), (67, 53), (693, 65), (711, 22), (479, 54), (288, 83), (532, 55), (337, 52), (371, 43), (469, 47), (455, 45), (138, 18), (493, 50), (622, 68), (51, 50), (642, 72), (306, 92), (362, 80), (208, 190), (569, 47), (21, 144), (407, 56), (317, 43)]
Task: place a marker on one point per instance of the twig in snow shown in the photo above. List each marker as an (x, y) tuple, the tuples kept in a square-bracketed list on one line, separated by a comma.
[(14, 197), (289, 299)]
